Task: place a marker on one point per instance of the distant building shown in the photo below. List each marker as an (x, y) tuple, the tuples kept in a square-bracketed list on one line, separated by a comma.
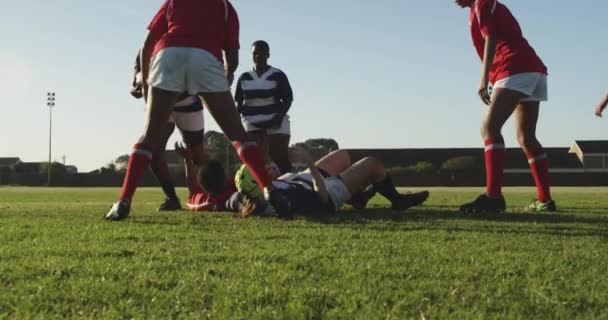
[(71, 169), (9, 163), (583, 156), (593, 155)]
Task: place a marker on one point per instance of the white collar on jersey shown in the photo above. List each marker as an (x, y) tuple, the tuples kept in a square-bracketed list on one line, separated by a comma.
[(265, 75)]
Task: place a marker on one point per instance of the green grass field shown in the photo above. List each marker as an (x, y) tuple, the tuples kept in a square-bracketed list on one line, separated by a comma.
[(59, 259)]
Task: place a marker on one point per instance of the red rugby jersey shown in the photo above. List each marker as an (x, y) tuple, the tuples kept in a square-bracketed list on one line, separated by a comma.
[(514, 55)]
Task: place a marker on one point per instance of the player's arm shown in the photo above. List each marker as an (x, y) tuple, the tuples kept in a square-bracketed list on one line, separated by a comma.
[(286, 94), (146, 56), (601, 107), (317, 179), (318, 182), (485, 15), (157, 28), (136, 88), (231, 63), (488, 60), (232, 45), (239, 96)]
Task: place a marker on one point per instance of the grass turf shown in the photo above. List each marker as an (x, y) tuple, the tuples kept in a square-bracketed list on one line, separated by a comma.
[(59, 259)]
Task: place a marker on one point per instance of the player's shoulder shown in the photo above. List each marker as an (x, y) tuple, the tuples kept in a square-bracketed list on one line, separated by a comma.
[(277, 74), (487, 4), (277, 70), (246, 76)]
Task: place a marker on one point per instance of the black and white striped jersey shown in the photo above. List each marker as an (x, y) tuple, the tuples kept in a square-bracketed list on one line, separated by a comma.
[(260, 98)]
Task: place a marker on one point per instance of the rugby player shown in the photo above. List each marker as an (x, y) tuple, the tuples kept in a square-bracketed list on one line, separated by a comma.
[(513, 80), (188, 116), (328, 184), (183, 52), (264, 97)]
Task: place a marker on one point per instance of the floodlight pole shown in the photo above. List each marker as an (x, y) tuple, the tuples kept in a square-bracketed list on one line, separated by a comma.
[(50, 102)]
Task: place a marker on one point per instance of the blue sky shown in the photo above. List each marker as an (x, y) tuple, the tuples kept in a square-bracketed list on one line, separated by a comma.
[(373, 74)]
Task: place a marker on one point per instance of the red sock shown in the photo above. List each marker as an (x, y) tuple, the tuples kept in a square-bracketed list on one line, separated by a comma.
[(539, 165), (495, 165), (249, 152), (138, 164)]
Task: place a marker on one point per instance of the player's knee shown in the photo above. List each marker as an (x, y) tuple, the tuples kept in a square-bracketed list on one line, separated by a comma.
[(374, 164), (344, 157), (527, 141), (489, 130)]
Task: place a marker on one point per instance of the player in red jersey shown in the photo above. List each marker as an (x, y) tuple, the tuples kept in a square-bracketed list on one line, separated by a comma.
[(188, 117), (601, 107), (209, 187), (183, 52), (513, 80)]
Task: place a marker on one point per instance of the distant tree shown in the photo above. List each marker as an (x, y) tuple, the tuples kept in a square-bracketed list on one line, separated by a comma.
[(460, 164), (322, 143), (318, 147), (425, 167), (121, 163), (109, 168)]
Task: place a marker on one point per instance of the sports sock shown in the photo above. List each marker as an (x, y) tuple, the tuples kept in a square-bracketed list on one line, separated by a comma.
[(138, 164), (495, 164), (387, 189), (169, 189), (539, 165), (249, 152)]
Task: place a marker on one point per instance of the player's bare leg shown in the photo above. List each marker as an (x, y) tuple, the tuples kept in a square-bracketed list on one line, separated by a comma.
[(504, 102), (160, 106), (526, 119), (371, 171), (334, 162)]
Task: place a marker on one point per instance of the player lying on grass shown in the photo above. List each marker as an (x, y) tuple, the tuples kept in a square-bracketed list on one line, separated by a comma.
[(601, 107), (209, 186), (325, 186), (188, 116), (513, 80)]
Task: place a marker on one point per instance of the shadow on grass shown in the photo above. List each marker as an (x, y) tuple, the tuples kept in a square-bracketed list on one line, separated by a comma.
[(431, 213), (427, 219)]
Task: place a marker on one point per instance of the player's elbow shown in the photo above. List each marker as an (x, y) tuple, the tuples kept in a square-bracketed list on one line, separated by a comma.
[(232, 59)]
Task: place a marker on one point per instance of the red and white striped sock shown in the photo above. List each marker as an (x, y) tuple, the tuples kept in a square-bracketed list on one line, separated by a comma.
[(539, 165), (495, 165), (138, 164), (250, 154)]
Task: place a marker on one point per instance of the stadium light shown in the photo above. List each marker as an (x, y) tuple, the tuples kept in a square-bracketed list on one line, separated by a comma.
[(50, 102)]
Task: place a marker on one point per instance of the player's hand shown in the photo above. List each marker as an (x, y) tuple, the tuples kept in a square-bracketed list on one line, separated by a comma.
[(598, 111), (276, 121), (137, 91), (299, 153), (484, 92), (182, 150)]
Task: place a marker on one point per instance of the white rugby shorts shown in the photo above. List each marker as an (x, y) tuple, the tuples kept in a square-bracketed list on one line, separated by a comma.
[(189, 70), (532, 84), (285, 127)]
